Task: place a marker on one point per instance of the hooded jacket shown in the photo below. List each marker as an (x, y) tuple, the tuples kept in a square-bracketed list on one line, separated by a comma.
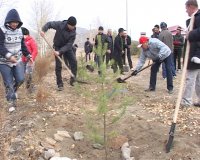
[(64, 38), (11, 40), (194, 40)]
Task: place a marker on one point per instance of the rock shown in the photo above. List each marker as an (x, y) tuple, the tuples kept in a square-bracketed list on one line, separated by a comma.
[(78, 136), (64, 134), (49, 154), (50, 141), (40, 158), (60, 158), (46, 145), (97, 146), (58, 138), (16, 146), (126, 152)]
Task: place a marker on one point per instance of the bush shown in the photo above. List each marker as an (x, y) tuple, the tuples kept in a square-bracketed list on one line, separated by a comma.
[(134, 49)]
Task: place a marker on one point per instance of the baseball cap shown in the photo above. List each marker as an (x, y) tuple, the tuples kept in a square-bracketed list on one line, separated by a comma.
[(142, 40), (121, 30)]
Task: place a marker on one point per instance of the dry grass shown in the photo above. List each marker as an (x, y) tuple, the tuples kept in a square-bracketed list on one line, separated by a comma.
[(42, 67), (42, 95)]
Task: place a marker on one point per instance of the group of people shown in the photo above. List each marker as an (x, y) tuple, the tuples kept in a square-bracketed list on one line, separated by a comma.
[(18, 52), (112, 51)]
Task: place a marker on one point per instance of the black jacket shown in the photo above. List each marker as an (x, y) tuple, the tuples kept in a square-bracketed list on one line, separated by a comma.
[(194, 38), (88, 47), (118, 46), (64, 38), (127, 41)]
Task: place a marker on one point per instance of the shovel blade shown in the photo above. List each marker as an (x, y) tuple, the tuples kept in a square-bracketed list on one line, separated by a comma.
[(90, 68), (171, 138), (119, 80)]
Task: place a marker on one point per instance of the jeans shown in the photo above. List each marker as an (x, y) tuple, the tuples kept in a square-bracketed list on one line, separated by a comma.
[(13, 77), (164, 74), (69, 57), (192, 83), (154, 71)]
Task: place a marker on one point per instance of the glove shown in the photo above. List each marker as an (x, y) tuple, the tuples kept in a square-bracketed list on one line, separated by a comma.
[(158, 60), (134, 73)]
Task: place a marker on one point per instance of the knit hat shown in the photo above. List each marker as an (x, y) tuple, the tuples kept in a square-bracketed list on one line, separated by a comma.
[(71, 21), (100, 28), (25, 31)]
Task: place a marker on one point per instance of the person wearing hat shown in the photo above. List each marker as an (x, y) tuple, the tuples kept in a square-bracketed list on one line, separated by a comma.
[(167, 38), (101, 47), (159, 52), (32, 48), (12, 47), (63, 41), (178, 41), (119, 51)]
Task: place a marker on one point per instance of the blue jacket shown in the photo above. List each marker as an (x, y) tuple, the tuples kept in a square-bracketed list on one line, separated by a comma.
[(156, 50)]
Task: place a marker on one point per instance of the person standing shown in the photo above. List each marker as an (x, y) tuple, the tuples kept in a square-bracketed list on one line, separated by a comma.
[(63, 41), (156, 31), (193, 69), (119, 51), (166, 37), (109, 55), (87, 49), (101, 46), (12, 47), (32, 48), (127, 48), (178, 45), (159, 52)]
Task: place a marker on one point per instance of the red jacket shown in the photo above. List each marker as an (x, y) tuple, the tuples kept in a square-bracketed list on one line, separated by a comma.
[(32, 48)]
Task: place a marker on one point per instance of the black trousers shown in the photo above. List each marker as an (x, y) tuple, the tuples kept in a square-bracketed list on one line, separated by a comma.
[(128, 57), (177, 58), (69, 59)]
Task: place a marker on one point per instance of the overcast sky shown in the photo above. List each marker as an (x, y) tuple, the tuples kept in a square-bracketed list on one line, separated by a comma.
[(142, 14)]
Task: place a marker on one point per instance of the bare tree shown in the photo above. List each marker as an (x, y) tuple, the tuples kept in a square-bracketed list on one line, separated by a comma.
[(42, 12), (5, 5)]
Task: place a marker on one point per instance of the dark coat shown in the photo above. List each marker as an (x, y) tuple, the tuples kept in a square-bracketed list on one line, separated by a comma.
[(178, 42), (88, 47), (194, 39), (118, 46), (64, 38)]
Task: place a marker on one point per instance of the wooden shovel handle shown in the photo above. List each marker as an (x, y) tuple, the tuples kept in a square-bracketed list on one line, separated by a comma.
[(180, 94)]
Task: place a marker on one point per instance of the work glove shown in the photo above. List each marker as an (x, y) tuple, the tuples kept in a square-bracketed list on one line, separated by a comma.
[(134, 73), (158, 60)]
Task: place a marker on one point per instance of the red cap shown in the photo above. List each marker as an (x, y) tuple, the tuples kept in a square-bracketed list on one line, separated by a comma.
[(142, 40)]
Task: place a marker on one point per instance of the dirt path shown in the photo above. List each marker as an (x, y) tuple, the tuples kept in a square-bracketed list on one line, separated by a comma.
[(145, 123)]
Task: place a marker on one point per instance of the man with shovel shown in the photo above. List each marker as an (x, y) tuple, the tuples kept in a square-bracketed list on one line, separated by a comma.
[(63, 41), (159, 52), (193, 68)]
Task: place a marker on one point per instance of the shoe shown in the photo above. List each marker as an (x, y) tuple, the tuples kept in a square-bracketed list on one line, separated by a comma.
[(60, 88), (12, 106), (174, 77), (149, 90), (170, 91), (72, 80), (196, 104)]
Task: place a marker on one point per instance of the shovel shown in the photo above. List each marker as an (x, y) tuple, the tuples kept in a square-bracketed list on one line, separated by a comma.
[(120, 80), (68, 70), (173, 125)]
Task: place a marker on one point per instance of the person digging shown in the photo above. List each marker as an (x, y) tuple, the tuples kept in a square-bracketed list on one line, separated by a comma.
[(156, 50)]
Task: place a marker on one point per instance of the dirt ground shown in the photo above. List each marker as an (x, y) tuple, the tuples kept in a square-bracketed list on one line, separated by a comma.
[(145, 123)]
